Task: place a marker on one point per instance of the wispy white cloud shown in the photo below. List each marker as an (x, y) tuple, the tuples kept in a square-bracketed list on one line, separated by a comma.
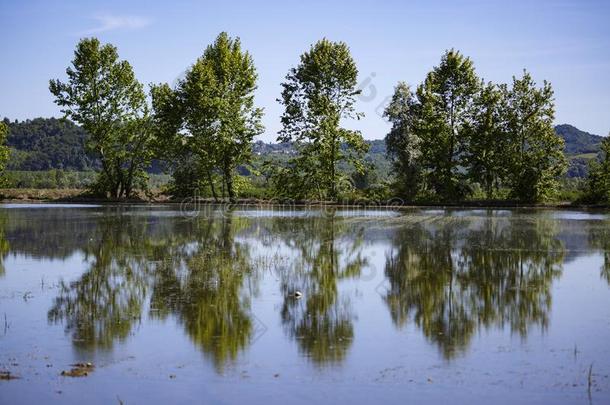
[(110, 22)]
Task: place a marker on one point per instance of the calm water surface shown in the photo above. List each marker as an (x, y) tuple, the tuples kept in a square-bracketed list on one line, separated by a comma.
[(467, 306)]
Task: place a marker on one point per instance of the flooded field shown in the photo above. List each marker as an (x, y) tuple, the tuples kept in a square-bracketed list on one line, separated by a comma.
[(150, 304)]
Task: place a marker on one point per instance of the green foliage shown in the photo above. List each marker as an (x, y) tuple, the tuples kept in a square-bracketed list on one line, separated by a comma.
[(48, 143), (578, 142), (581, 147), (534, 152), (55, 179), (4, 150), (317, 95), (431, 129), (454, 138), (446, 99), (457, 135), (64, 179), (403, 143), (572, 189), (209, 120), (598, 182), (487, 143), (103, 95)]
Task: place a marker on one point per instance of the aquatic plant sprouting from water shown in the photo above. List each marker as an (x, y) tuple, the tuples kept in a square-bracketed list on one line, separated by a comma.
[(455, 277)]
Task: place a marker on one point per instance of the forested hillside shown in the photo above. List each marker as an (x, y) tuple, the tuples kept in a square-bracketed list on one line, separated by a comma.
[(50, 143), (42, 144), (581, 147)]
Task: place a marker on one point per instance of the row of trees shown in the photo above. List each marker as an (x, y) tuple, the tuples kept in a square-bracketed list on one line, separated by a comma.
[(453, 132), (598, 184), (456, 130), (4, 150), (204, 126)]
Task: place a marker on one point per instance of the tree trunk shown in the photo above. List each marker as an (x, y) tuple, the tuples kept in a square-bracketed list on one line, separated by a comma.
[(121, 189), (230, 190), (211, 181), (489, 186), (114, 193), (333, 186), (128, 189), (129, 181)]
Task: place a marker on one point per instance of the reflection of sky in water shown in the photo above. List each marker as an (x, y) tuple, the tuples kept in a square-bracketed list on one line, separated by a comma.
[(43, 205), (577, 215), (317, 212), (393, 303)]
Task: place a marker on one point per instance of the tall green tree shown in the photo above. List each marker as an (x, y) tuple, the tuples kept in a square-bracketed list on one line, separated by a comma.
[(317, 95), (598, 181), (4, 150), (534, 151), (103, 95), (402, 142), (210, 116), (487, 142), (446, 98)]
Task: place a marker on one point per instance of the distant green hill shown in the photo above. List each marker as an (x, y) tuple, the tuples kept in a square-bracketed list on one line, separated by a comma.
[(50, 143), (577, 141), (581, 147), (42, 144)]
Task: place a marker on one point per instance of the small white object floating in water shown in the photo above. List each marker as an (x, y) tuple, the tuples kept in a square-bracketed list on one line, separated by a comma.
[(298, 294)]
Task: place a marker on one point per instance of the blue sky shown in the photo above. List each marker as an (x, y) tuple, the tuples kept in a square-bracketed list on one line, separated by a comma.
[(564, 42)]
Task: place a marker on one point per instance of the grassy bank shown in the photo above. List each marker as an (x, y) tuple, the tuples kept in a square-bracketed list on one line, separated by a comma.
[(31, 195), (38, 194), (64, 179)]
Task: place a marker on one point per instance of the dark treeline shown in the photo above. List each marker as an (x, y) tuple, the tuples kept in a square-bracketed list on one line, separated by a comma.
[(453, 137), (43, 144), (46, 144), (51, 153)]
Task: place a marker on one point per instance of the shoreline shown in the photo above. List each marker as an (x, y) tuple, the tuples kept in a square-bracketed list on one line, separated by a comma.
[(75, 196)]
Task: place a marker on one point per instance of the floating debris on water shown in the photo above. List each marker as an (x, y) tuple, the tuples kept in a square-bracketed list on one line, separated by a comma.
[(7, 375), (78, 370)]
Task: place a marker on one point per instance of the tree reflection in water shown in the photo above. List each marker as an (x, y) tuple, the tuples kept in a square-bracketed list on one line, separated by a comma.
[(599, 238), (193, 271), (4, 245), (450, 275), (459, 274), (108, 298), (323, 251), (204, 290)]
